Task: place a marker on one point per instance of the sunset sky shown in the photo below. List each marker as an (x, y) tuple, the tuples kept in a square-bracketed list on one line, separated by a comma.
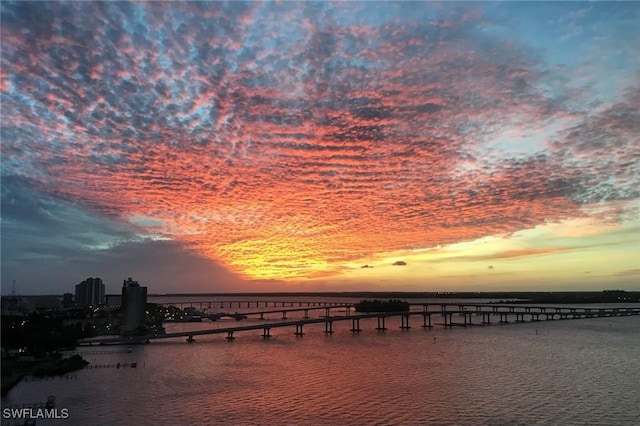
[(319, 146)]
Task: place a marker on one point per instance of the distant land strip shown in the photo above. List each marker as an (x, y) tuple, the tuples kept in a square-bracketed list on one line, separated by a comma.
[(606, 296)]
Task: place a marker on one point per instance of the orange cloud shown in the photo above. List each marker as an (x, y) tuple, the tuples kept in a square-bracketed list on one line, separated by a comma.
[(282, 153)]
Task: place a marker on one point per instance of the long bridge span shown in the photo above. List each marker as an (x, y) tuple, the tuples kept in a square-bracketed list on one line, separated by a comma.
[(211, 304), (449, 314)]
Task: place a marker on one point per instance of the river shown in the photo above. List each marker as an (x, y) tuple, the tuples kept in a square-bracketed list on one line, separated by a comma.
[(572, 372)]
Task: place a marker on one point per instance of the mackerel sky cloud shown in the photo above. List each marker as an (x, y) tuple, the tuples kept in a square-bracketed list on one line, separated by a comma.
[(283, 145)]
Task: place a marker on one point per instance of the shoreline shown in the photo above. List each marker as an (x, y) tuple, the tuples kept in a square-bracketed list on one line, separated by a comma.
[(44, 367)]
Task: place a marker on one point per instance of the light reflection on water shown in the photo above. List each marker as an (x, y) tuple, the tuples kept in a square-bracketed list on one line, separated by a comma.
[(556, 372)]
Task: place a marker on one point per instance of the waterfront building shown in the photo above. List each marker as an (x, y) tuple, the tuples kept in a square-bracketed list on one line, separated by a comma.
[(90, 292), (134, 305), (67, 300), (113, 300)]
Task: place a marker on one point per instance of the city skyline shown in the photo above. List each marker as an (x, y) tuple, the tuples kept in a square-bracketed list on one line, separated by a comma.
[(238, 147)]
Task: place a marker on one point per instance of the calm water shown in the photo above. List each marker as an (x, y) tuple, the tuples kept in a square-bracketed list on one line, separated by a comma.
[(549, 373)]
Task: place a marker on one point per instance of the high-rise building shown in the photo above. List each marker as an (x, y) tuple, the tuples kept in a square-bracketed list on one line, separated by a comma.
[(90, 292), (134, 305)]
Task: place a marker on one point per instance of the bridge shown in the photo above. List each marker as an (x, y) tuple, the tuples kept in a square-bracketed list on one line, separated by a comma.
[(210, 304), (504, 314), (284, 312)]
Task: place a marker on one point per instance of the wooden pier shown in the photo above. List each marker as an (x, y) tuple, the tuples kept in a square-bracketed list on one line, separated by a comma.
[(470, 314), (113, 365)]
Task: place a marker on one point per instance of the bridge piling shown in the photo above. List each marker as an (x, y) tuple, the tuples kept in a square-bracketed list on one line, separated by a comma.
[(447, 320), (355, 325), (424, 320), (298, 331), (230, 336), (328, 327), (266, 333), (381, 326), (467, 318), (404, 322)]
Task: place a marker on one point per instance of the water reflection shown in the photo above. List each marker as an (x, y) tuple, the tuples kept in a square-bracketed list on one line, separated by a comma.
[(569, 372)]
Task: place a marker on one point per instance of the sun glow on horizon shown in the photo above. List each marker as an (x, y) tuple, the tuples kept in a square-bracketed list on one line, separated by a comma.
[(568, 251)]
